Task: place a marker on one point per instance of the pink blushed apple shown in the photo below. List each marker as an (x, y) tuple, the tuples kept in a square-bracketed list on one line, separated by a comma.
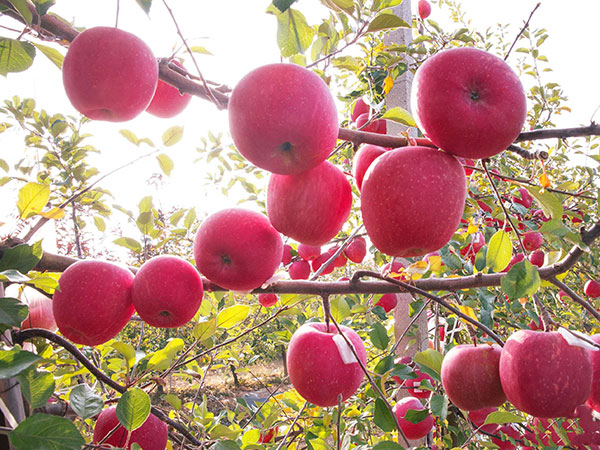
[(321, 364), (308, 252), (283, 118), (356, 250), (237, 249), (363, 159), (424, 8), (412, 430), (365, 123), (168, 101), (299, 270), (593, 401), (152, 435), (40, 310), (532, 240), (359, 107), (109, 74), (592, 288), (267, 300), (387, 302), (468, 102)]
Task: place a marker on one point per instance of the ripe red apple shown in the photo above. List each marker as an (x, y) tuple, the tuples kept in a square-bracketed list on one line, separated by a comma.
[(505, 431), (356, 250), (537, 258), (321, 365), (299, 270), (152, 435), (359, 107), (168, 101), (237, 249), (387, 302), (515, 259), (363, 159), (310, 207), (93, 302), (543, 375), (320, 260), (525, 199), (267, 436), (309, 252), (424, 9), (412, 200), (411, 430), (393, 269), (109, 74), (592, 288), (376, 126), (287, 255), (532, 240), (478, 416), (283, 118), (477, 87), (413, 384), (267, 300), (40, 310), (593, 401), (167, 291), (470, 376), (467, 162)]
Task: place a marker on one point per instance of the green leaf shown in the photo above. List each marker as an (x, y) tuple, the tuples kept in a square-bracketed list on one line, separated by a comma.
[(294, 34), (45, 432), (21, 257), (189, 218), (385, 21), (4, 165), (173, 400), (145, 5), (14, 361), (226, 445), (165, 163), (503, 417), (42, 6), (162, 359), (387, 445), (430, 358), (133, 409), (205, 330), (52, 54), (23, 8), (522, 280), (129, 243), (12, 313), (499, 251), (345, 5), (126, 350), (37, 386), (383, 416), (550, 202), (15, 56), (99, 223), (283, 5), (416, 416), (85, 402), (172, 136), (130, 136), (400, 115), (439, 406), (230, 317), (32, 199), (339, 308), (378, 336)]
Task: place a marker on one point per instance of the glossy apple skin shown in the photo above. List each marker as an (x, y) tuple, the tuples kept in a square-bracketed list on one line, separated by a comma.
[(471, 378), (387, 302), (475, 87), (356, 250), (109, 74), (152, 435), (378, 126), (478, 416), (287, 255), (93, 302), (593, 401), (544, 376), (168, 101), (267, 300), (532, 240), (411, 430), (583, 431), (537, 258), (424, 8), (359, 107), (412, 200), (310, 207), (316, 368), (299, 270), (283, 118), (308, 252), (592, 288), (363, 159), (237, 249), (167, 291), (40, 310)]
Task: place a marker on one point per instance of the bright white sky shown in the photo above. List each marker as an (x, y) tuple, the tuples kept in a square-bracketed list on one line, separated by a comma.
[(241, 37)]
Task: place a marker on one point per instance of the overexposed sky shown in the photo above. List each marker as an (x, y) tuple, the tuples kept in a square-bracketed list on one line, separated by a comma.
[(241, 37)]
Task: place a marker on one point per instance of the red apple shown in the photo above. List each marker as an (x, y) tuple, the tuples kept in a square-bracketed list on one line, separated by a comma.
[(40, 310), (525, 198), (321, 364), (470, 376), (532, 240), (287, 255), (592, 288), (593, 401), (424, 9), (93, 302), (413, 384), (459, 92), (283, 118), (376, 126), (505, 432), (393, 269), (411, 430), (152, 435), (543, 375), (387, 302), (267, 436), (582, 430), (310, 207), (309, 252), (533, 325), (515, 259), (267, 300), (167, 291), (356, 250), (109, 74), (320, 260), (237, 249), (478, 417), (299, 270), (341, 260), (363, 159), (537, 258), (412, 200), (359, 107), (467, 162), (168, 101)]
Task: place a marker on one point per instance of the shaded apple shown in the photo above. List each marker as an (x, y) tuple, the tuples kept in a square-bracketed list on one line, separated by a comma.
[(532, 240), (363, 159), (356, 250), (478, 417), (320, 260), (287, 255), (321, 364), (411, 430), (237, 249), (525, 199), (152, 435), (505, 432), (40, 310), (299, 270), (109, 74), (592, 288), (168, 101), (387, 302), (412, 200), (308, 252), (283, 118), (267, 300)]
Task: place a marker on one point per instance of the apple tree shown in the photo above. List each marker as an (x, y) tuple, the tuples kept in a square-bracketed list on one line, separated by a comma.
[(468, 210)]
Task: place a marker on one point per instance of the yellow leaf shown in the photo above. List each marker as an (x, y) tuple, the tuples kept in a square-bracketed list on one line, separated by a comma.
[(544, 181), (388, 84), (523, 301), (472, 229), (467, 310), (54, 213), (32, 198), (435, 263)]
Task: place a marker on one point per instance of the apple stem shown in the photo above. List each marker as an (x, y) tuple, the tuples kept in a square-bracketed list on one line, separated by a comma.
[(326, 309), (545, 318)]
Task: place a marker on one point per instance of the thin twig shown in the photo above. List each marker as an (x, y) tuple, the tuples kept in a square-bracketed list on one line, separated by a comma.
[(522, 31), (578, 299), (292, 426)]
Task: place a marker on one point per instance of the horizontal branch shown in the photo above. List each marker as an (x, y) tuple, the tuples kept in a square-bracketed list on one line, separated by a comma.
[(559, 133)]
